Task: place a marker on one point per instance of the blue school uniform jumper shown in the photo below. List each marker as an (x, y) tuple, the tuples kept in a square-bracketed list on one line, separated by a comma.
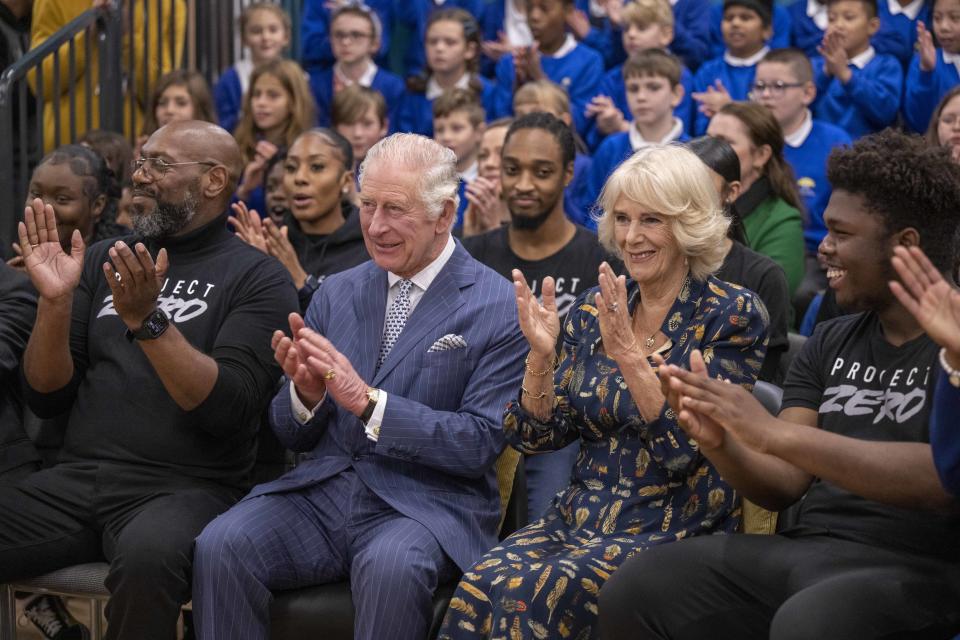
[(413, 14), (577, 200), (898, 27), (416, 113), (806, 151), (575, 67), (736, 74), (808, 20), (923, 90), (691, 31), (388, 84), (315, 32), (866, 104), (228, 93), (614, 87), (603, 37), (618, 147), (781, 29)]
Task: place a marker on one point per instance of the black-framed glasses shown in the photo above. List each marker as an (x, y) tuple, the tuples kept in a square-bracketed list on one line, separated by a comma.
[(776, 89), (158, 167)]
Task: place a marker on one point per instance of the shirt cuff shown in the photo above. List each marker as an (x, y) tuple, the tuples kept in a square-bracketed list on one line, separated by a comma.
[(300, 412), (373, 424)]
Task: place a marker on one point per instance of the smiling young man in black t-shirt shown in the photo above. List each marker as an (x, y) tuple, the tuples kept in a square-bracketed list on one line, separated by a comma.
[(874, 552), (540, 241)]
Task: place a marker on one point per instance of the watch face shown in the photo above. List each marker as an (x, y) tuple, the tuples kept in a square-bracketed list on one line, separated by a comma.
[(155, 324)]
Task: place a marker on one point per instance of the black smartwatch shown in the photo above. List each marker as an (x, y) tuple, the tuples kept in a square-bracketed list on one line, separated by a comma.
[(152, 328)]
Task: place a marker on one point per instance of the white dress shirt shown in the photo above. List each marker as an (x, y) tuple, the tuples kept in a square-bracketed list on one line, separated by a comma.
[(735, 61), (863, 59), (421, 282), (637, 141)]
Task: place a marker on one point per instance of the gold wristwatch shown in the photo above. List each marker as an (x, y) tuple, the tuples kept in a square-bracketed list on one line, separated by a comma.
[(373, 396)]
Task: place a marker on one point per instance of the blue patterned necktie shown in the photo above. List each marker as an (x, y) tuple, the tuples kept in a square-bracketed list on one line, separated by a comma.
[(396, 319)]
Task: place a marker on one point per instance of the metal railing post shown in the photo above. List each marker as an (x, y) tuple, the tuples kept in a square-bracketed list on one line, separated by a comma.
[(110, 32)]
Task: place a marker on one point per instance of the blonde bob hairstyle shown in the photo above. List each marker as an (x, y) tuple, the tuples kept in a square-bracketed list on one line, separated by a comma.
[(673, 182)]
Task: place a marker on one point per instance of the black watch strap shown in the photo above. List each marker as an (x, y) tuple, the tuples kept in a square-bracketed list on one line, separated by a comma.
[(152, 327)]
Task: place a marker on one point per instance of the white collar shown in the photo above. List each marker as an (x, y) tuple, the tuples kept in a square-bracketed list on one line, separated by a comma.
[(752, 61), (863, 59), (637, 141), (515, 25), (428, 274), (568, 45), (470, 173), (798, 137), (365, 80), (434, 90), (912, 10), (244, 68), (951, 58), (817, 12), (673, 3)]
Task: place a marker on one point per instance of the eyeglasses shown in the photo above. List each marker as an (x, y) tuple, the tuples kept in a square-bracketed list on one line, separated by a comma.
[(352, 36), (777, 89), (158, 167)]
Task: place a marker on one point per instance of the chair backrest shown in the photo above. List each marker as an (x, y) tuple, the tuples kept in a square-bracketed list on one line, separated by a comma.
[(769, 396), (795, 341), (757, 519), (513, 491)]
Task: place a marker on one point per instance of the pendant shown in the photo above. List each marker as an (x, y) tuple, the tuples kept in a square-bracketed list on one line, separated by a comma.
[(650, 342)]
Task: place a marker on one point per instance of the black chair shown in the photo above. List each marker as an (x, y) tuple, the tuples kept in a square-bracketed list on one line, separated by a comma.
[(769, 396), (326, 611), (796, 344)]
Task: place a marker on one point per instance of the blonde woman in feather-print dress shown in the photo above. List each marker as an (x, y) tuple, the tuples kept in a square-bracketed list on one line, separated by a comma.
[(639, 480)]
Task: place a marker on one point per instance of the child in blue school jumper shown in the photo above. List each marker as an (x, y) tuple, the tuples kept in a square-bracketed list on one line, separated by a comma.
[(784, 84), (933, 72), (458, 124), (599, 29), (555, 55), (653, 89), (859, 88), (746, 29), (265, 28), (414, 15), (780, 26), (691, 32), (895, 36), (648, 24), (355, 36), (549, 97), (315, 49), (453, 52)]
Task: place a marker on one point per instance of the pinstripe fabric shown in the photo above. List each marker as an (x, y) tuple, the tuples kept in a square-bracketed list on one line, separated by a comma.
[(441, 430)]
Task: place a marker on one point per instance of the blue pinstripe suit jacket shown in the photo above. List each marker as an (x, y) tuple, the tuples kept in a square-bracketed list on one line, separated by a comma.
[(441, 431)]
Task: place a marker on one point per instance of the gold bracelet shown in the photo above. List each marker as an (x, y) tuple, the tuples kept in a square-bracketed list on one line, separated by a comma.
[(542, 394), (533, 372)]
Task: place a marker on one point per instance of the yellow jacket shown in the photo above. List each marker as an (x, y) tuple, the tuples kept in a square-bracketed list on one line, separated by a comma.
[(49, 16)]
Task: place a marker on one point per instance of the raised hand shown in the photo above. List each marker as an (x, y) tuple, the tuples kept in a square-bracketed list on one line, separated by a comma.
[(713, 99), (708, 434), (926, 48), (342, 381), (253, 173), (278, 245), (496, 49), (484, 207), (135, 281), (539, 321), (835, 56), (247, 225), (286, 352), (579, 23), (616, 326), (17, 260), (608, 117), (929, 297), (710, 406), (614, 11), (54, 273)]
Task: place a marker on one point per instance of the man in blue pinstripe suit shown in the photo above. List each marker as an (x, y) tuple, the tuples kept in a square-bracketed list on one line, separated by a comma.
[(397, 380)]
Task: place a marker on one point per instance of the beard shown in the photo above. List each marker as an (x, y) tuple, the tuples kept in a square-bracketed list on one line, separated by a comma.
[(531, 223), (166, 218)]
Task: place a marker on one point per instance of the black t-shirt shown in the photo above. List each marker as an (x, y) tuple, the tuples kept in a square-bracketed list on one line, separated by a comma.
[(574, 267), (226, 298), (863, 387), (763, 276)]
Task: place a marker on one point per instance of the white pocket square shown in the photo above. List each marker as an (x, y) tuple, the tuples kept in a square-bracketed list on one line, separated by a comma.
[(448, 342)]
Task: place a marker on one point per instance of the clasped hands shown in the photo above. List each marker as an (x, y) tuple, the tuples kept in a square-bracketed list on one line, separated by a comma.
[(316, 368)]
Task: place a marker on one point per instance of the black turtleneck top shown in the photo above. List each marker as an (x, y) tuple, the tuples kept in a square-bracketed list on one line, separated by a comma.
[(226, 298)]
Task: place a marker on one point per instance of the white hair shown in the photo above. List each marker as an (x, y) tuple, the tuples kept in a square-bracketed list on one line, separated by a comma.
[(435, 164)]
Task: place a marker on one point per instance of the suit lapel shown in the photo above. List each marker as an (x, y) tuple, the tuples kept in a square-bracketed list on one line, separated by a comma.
[(439, 302), (370, 306)]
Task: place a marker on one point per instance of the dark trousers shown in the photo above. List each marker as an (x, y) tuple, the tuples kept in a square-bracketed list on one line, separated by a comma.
[(142, 521), (752, 586)]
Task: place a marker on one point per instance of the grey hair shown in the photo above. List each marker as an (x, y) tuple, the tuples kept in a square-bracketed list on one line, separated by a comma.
[(435, 164)]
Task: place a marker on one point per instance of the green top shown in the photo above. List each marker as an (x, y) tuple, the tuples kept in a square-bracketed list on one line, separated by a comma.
[(775, 229)]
